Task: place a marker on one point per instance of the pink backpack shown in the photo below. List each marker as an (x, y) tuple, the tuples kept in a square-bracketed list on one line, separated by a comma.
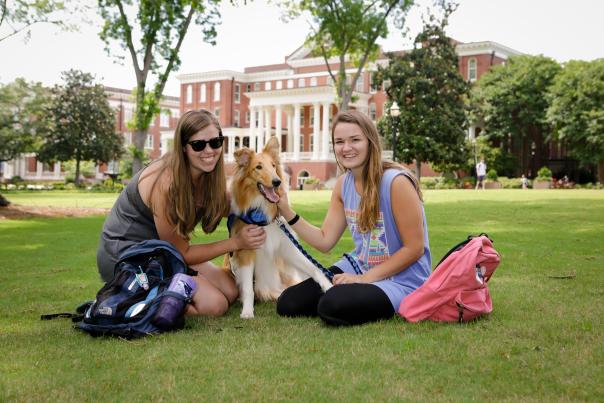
[(457, 288)]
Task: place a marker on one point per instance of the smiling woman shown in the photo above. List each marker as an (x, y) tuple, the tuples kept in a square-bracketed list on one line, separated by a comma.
[(167, 199)]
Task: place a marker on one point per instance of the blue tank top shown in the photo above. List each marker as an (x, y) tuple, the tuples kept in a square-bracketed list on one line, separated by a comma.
[(376, 246)]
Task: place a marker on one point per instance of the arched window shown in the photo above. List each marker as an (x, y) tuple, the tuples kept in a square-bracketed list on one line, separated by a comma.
[(189, 94), (472, 69), (216, 91), (202, 93)]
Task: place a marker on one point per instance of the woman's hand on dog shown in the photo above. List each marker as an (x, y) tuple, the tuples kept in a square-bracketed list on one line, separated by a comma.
[(250, 237), (283, 205)]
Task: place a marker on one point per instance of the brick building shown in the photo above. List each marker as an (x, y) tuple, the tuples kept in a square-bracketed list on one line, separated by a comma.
[(295, 101), (159, 138)]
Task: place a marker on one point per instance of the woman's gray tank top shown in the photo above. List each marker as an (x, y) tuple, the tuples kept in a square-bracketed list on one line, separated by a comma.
[(130, 221)]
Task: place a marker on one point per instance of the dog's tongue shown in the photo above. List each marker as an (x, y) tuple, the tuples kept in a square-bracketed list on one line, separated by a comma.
[(271, 195)]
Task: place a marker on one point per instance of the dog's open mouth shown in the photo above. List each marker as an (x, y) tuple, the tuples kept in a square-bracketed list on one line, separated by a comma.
[(268, 193)]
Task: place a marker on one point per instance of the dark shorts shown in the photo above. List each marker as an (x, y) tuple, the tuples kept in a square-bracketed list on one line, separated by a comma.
[(480, 178)]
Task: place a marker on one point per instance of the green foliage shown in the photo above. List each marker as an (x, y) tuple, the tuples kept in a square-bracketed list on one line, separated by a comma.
[(544, 174), (577, 109), (492, 175), (426, 84), (126, 162), (162, 27), (82, 124), (19, 16), (511, 100), (348, 30), (22, 110)]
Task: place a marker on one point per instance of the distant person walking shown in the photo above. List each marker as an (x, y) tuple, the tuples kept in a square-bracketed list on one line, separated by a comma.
[(481, 173)]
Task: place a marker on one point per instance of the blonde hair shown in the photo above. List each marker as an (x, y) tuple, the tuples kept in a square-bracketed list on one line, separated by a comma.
[(373, 169), (180, 204)]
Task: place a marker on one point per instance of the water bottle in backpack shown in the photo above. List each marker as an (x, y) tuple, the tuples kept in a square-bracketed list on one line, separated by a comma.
[(173, 302)]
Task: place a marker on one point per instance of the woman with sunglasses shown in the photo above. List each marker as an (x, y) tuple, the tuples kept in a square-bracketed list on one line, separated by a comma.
[(168, 198)]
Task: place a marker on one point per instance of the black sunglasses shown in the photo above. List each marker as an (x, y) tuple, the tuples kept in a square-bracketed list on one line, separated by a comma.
[(200, 145)]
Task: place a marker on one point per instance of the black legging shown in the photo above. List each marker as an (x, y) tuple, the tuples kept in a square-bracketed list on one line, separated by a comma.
[(341, 305)]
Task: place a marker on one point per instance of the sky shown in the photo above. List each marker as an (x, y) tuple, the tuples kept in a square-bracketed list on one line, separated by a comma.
[(254, 34)]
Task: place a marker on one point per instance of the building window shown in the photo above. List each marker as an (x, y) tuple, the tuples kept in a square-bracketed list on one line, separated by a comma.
[(373, 88), (290, 83), (216, 91), (189, 94), (248, 88), (149, 142), (312, 143), (202, 93), (472, 69), (128, 112), (386, 84), (313, 81), (330, 80), (301, 83), (256, 86), (360, 86), (164, 119), (302, 116), (279, 85), (128, 138), (237, 93), (267, 86), (217, 113), (256, 119), (247, 117), (311, 116), (372, 111), (236, 118), (301, 142)]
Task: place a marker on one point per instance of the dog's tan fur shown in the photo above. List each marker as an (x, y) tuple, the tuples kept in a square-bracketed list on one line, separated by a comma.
[(250, 266)]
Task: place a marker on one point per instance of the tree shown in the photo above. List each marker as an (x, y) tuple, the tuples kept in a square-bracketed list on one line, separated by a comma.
[(22, 106), (161, 27), (511, 100), (426, 84), (576, 111), (348, 30), (81, 124), (20, 15)]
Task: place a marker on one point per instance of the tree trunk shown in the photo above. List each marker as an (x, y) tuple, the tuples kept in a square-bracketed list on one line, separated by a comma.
[(140, 136), (3, 201), (601, 171), (418, 168)]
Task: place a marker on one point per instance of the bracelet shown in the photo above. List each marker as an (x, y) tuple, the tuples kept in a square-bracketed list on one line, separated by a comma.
[(293, 220)]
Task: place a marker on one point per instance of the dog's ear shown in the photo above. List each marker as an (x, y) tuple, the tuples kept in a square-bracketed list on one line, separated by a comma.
[(273, 149), (243, 156)]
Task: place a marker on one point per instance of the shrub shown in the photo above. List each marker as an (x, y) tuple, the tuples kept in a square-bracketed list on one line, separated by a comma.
[(510, 183), (544, 174), (492, 175)]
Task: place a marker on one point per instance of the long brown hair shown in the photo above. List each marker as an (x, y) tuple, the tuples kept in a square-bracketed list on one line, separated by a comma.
[(180, 204), (373, 170)]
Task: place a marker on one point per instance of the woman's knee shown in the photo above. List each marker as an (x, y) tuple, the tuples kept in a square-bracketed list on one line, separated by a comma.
[(332, 308)]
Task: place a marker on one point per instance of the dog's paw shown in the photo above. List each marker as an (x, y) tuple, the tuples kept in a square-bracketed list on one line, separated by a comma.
[(247, 314)]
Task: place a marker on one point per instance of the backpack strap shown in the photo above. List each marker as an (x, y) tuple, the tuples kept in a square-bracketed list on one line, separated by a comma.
[(75, 317)]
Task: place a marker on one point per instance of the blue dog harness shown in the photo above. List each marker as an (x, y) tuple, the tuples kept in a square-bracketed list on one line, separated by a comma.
[(256, 216)]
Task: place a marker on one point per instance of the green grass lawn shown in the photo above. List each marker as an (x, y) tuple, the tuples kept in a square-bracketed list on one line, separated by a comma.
[(544, 341)]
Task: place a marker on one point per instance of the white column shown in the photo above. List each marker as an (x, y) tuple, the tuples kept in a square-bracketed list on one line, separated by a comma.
[(260, 132), (57, 172), (278, 123), (296, 132), (252, 129), (316, 141), (231, 148), (39, 168), (325, 132), (267, 121), (290, 131)]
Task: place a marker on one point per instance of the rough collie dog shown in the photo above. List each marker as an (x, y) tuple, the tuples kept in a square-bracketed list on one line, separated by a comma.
[(267, 271)]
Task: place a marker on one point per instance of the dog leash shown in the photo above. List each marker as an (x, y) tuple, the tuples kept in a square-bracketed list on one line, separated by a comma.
[(328, 273)]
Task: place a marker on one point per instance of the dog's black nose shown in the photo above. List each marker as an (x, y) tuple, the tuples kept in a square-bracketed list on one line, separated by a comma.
[(276, 182)]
